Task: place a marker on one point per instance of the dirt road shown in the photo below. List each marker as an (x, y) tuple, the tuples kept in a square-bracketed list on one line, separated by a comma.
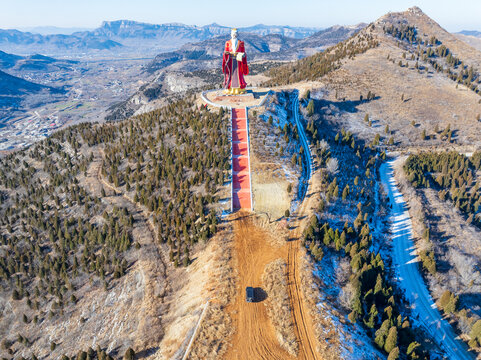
[(255, 336), (302, 320)]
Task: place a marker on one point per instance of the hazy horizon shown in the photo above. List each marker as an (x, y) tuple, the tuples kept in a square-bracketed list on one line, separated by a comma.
[(304, 13)]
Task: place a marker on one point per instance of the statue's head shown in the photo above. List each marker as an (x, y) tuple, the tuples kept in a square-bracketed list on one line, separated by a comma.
[(233, 33)]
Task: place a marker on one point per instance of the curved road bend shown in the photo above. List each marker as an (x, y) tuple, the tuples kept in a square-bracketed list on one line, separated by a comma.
[(409, 276)]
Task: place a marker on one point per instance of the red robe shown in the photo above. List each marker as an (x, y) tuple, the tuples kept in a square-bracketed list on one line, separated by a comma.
[(232, 69)]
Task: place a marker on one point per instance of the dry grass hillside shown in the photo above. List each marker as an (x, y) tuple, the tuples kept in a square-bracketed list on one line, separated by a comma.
[(407, 99), (409, 93), (427, 27), (473, 41)]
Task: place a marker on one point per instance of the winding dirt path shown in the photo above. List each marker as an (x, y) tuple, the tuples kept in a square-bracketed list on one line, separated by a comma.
[(303, 322), (302, 319)]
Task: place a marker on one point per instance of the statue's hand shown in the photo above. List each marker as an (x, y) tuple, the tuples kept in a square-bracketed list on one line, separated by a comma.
[(240, 56)]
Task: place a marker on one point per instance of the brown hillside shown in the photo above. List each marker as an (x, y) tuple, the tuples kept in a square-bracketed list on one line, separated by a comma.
[(415, 97), (473, 41), (427, 27)]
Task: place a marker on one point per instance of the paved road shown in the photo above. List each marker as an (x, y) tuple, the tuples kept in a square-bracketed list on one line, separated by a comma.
[(409, 276)]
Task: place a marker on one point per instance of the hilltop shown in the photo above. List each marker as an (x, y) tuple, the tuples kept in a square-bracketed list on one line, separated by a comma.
[(37, 62), (405, 73), (16, 90)]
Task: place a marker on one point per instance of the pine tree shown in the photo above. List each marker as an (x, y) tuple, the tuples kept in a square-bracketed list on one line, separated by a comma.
[(310, 108), (445, 299), (381, 334), (372, 317), (391, 340), (411, 350), (394, 354), (378, 286), (129, 354), (475, 333), (423, 135)]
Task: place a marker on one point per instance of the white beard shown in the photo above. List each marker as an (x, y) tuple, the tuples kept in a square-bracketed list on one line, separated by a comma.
[(234, 44)]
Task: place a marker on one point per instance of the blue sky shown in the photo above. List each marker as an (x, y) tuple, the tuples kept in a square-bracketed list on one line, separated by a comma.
[(452, 15)]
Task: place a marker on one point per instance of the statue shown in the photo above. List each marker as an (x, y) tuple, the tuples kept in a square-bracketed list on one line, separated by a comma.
[(234, 65)]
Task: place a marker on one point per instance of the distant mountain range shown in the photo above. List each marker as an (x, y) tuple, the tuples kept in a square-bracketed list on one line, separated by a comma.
[(125, 37), (471, 33), (53, 30), (25, 43), (470, 37), (270, 46)]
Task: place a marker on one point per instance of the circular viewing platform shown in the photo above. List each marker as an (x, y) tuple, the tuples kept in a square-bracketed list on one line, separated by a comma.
[(219, 98)]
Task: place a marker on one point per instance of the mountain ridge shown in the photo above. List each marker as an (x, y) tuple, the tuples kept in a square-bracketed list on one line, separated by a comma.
[(122, 36), (36, 62), (470, 33), (271, 46)]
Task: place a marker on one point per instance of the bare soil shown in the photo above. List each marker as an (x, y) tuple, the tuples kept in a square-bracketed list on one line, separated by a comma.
[(255, 336), (277, 303)]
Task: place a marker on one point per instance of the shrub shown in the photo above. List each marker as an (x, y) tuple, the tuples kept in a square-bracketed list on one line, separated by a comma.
[(129, 354)]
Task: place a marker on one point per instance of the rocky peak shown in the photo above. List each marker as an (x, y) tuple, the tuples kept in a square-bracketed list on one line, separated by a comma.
[(415, 10)]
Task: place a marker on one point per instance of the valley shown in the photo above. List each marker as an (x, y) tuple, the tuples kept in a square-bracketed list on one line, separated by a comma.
[(89, 90)]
